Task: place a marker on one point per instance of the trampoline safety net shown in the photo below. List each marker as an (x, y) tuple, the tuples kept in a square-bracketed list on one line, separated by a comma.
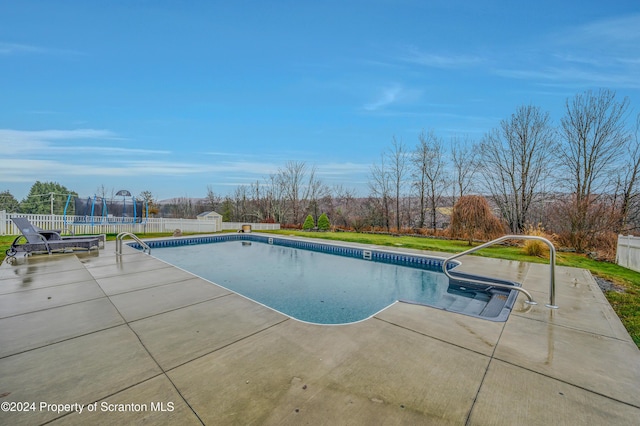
[(100, 210)]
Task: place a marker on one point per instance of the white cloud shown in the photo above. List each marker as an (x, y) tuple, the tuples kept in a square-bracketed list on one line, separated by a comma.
[(105, 150), (20, 136), (446, 61), (387, 97), (7, 48), (603, 53), (574, 77), (29, 142), (11, 48), (341, 169), (391, 95), (221, 154), (29, 170), (614, 32)]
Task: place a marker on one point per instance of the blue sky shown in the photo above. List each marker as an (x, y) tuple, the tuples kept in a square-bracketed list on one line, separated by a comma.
[(173, 96)]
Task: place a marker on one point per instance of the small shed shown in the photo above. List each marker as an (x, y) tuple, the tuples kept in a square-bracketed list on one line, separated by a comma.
[(211, 216)]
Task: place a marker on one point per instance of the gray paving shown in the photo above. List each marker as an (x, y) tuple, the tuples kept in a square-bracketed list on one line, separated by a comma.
[(132, 339)]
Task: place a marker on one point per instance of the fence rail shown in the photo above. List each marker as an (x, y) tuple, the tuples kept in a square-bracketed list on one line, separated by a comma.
[(628, 252), (83, 225), (226, 226)]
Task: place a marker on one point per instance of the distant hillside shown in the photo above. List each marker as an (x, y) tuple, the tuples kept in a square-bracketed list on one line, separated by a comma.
[(180, 200)]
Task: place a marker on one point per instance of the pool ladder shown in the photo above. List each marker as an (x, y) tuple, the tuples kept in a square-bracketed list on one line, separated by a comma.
[(530, 301), (120, 237)]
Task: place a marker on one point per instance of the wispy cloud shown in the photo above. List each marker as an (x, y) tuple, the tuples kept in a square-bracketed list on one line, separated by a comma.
[(16, 142), (439, 60), (574, 77), (106, 150), (29, 170), (13, 48), (221, 154), (27, 135), (600, 53), (390, 95), (42, 112), (57, 154), (7, 48), (613, 31), (256, 168), (335, 170)]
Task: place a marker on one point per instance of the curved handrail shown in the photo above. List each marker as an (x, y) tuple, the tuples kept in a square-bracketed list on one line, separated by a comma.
[(552, 264), (120, 237)]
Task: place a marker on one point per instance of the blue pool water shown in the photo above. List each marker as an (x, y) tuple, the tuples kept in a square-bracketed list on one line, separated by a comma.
[(318, 287)]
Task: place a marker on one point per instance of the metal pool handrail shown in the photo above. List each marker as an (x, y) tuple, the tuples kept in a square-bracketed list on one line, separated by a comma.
[(120, 237), (552, 264)]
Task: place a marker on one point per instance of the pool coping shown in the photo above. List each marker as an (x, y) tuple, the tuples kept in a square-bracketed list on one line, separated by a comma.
[(86, 344)]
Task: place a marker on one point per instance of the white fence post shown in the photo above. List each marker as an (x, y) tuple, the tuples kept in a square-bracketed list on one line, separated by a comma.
[(3, 222), (628, 252)]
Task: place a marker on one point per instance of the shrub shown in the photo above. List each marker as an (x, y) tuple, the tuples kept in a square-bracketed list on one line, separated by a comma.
[(323, 222), (358, 223), (605, 246), (472, 218), (535, 247), (308, 223)]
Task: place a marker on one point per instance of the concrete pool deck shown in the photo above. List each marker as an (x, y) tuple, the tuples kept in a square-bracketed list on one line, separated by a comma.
[(133, 333)]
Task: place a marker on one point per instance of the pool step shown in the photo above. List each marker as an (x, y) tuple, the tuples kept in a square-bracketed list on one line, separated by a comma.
[(494, 306), (467, 305)]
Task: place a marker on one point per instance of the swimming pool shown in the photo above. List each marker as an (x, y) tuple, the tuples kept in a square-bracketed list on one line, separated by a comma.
[(326, 283)]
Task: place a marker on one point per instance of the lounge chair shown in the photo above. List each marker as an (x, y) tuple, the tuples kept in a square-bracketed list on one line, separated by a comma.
[(45, 241)]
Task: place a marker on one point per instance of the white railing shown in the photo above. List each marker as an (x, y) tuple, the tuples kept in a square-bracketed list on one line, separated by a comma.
[(84, 225), (628, 252), (226, 226)]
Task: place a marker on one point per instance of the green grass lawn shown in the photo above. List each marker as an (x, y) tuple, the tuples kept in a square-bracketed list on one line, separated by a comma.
[(626, 303)]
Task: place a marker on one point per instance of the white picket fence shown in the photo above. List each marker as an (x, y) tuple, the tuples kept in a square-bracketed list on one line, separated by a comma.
[(254, 226), (628, 252), (83, 225)]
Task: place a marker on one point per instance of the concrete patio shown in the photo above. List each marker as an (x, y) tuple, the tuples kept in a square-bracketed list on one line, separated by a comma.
[(131, 339)]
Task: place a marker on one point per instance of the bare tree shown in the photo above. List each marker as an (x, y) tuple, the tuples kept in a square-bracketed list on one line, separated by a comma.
[(182, 207), (212, 199), (594, 137), (429, 175), (292, 179), (465, 157), (380, 187), (241, 202), (516, 159), (419, 160), (277, 205), (106, 193), (150, 202), (344, 200), (315, 191), (627, 179), (398, 171)]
